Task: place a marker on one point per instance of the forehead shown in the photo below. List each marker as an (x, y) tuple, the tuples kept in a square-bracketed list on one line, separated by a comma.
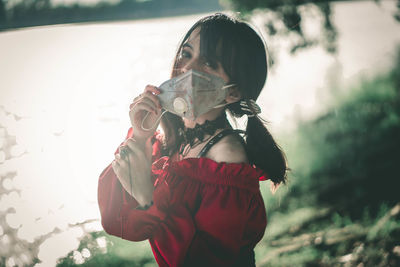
[(194, 37), (207, 42)]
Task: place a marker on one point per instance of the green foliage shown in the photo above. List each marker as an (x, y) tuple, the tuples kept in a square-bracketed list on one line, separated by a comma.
[(113, 251), (298, 258), (290, 14), (342, 205), (41, 12), (2, 13), (284, 18), (282, 223), (347, 158)]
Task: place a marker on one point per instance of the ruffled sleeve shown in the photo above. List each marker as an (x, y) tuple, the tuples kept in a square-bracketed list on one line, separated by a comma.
[(204, 212), (227, 208)]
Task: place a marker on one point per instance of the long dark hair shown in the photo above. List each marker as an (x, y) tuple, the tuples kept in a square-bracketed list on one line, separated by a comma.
[(242, 53)]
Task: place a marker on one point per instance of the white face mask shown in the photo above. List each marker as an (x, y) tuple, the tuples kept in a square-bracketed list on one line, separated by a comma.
[(193, 93)]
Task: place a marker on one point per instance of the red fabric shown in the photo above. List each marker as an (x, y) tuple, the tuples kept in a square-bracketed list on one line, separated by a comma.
[(204, 212)]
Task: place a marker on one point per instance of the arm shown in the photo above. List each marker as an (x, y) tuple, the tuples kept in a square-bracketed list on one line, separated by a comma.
[(133, 170), (118, 207), (120, 218), (133, 167)]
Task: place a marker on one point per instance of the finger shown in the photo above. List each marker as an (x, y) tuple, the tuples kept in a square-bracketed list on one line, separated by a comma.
[(153, 98), (136, 99), (130, 142), (143, 106), (123, 163), (118, 158), (132, 150), (134, 147), (149, 99), (116, 167), (123, 151), (114, 163), (151, 92), (152, 89), (136, 150)]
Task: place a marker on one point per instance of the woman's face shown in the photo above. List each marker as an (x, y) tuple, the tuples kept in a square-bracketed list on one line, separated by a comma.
[(189, 58)]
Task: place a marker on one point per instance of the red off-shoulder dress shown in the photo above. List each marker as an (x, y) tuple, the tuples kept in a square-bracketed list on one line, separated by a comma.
[(205, 213)]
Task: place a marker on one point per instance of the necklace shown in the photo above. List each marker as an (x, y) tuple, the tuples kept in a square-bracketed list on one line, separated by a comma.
[(195, 136)]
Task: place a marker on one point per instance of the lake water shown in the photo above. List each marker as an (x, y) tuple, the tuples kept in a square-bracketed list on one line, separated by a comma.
[(64, 97)]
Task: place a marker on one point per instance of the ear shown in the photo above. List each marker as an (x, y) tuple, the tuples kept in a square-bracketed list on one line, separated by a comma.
[(234, 95)]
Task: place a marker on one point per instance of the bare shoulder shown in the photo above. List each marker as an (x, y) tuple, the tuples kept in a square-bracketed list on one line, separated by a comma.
[(229, 149)]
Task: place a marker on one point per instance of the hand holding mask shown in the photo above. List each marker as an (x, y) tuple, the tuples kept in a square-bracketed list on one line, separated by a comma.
[(192, 94)]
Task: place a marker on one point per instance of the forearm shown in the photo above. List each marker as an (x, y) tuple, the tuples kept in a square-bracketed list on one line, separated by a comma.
[(117, 208), (138, 182), (143, 192)]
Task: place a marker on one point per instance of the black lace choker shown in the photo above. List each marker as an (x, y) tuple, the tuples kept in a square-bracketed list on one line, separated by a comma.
[(189, 135)]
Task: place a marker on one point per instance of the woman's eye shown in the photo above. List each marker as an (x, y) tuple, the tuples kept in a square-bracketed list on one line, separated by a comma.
[(210, 64), (184, 54)]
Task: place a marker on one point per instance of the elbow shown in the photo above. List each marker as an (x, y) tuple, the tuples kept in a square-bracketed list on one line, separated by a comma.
[(111, 226), (115, 229)]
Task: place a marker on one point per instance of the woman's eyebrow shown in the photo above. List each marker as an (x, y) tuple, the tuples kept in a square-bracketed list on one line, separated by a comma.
[(187, 45)]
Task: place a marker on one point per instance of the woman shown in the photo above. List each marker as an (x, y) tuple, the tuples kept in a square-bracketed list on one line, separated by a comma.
[(194, 190)]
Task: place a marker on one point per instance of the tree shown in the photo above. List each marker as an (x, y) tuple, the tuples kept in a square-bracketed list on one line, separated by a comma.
[(284, 17), (2, 14)]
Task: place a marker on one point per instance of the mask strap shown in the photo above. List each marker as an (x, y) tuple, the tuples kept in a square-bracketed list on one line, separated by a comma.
[(228, 86), (157, 121), (225, 87), (221, 105)]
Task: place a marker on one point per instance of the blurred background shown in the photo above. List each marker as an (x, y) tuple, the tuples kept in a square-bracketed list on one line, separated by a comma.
[(69, 70)]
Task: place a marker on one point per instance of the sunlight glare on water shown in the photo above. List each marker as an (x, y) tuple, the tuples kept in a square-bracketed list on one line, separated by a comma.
[(65, 100)]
